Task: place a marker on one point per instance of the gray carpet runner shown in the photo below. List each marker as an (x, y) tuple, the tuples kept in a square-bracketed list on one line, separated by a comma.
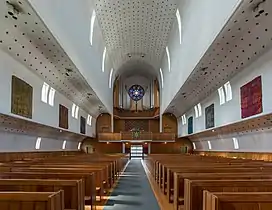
[(133, 191)]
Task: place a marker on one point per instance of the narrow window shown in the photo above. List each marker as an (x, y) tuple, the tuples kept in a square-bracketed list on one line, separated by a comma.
[(89, 120), (92, 27), (228, 91), (179, 24), (76, 112), (199, 109), (64, 144), (209, 145), (221, 95), (44, 95), (196, 111), (38, 143), (110, 78), (51, 96), (103, 59), (183, 119), (79, 145), (235, 143), (194, 145), (161, 76), (168, 59), (73, 110)]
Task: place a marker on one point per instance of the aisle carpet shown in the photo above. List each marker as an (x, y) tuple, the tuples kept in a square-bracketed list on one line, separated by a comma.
[(133, 191)]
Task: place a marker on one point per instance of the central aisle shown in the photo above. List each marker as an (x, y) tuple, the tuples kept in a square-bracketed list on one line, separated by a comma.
[(133, 192)]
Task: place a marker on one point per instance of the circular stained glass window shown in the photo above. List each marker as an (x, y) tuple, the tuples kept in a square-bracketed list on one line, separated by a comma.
[(136, 92)]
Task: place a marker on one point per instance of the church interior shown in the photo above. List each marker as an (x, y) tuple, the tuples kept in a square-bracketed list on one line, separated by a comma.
[(135, 105)]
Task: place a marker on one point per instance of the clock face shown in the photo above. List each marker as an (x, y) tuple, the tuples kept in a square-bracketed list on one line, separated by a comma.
[(136, 92)]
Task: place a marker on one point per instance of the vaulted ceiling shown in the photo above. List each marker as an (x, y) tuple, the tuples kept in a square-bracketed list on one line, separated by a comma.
[(136, 32)]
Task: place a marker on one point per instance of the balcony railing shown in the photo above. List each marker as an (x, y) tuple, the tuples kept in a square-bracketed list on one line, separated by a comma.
[(150, 113), (143, 136)]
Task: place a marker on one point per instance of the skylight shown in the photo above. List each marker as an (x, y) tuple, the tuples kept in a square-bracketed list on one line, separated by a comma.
[(38, 143), (51, 96), (168, 59), (44, 95), (110, 78), (103, 59), (161, 76), (179, 24), (92, 27)]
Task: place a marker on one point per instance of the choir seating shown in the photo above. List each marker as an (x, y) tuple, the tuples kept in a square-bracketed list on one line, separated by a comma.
[(83, 178), (182, 179)]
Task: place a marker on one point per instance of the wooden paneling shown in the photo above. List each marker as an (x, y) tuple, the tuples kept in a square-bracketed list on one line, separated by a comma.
[(171, 148), (103, 123), (169, 123), (154, 126), (100, 147), (243, 155), (21, 98)]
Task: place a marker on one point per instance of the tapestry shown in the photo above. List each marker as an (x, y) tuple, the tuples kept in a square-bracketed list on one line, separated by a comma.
[(251, 98), (82, 125), (21, 98), (63, 117), (190, 125), (209, 116)]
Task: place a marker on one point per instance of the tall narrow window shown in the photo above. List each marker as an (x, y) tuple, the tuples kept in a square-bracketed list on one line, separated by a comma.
[(168, 59), (161, 76), (76, 112), (64, 144), (179, 24), (235, 143), (209, 145), (221, 95), (194, 145), (183, 117), (92, 27), (196, 111), (38, 143), (51, 96), (228, 91), (199, 109), (110, 78), (89, 120), (73, 110), (45, 89), (103, 59), (79, 145)]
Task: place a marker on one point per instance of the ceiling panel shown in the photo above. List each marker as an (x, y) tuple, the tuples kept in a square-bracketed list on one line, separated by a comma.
[(27, 39), (246, 36), (136, 31)]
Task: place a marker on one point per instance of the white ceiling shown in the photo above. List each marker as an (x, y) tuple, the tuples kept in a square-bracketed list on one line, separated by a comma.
[(28, 40), (139, 28), (246, 36)]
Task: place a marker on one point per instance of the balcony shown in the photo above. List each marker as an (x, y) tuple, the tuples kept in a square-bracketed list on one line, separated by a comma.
[(137, 136), (123, 113)]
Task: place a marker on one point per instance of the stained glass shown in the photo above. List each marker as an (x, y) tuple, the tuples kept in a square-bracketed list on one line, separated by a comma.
[(136, 92)]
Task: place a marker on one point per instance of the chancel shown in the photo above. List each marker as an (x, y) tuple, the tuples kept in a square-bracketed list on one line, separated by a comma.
[(136, 105)]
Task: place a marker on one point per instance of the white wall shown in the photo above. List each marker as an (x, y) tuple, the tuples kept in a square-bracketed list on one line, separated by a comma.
[(230, 112), (69, 22), (11, 142), (136, 80), (201, 21), (42, 113)]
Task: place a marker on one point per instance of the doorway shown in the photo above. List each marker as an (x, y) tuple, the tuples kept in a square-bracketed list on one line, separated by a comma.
[(136, 151)]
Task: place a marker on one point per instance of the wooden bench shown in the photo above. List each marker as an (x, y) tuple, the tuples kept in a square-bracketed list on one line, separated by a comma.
[(32, 200), (237, 200)]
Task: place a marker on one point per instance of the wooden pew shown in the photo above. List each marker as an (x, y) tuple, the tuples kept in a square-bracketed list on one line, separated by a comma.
[(32, 200), (73, 189), (193, 197), (237, 200)]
